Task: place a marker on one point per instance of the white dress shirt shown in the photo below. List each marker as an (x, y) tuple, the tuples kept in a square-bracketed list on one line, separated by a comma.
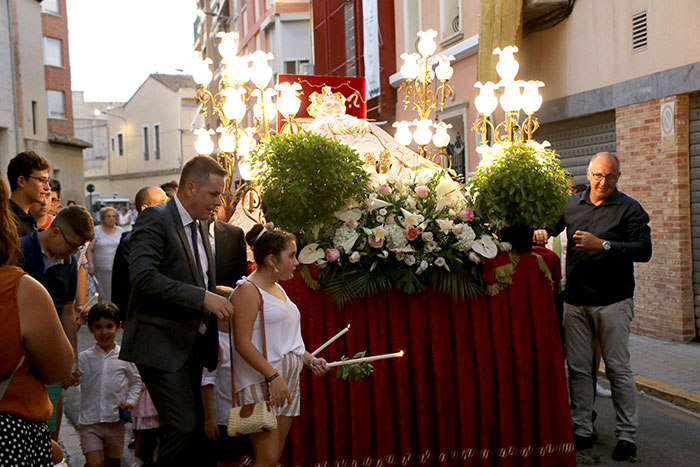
[(186, 221), (220, 378), (106, 383)]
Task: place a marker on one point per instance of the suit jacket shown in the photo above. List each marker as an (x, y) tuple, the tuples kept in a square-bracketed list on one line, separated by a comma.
[(230, 253), (121, 285), (167, 295)]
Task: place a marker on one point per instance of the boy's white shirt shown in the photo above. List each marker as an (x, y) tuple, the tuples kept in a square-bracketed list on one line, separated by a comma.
[(106, 383), (220, 378)]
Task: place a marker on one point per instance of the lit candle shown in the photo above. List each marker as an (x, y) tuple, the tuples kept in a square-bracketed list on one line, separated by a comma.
[(366, 359), (89, 301), (331, 340)]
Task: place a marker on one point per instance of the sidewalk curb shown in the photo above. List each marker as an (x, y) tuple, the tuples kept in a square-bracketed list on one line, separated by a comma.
[(676, 396), (680, 397)]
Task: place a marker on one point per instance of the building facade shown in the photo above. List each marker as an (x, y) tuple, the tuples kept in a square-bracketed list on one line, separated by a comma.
[(35, 112), (149, 138)]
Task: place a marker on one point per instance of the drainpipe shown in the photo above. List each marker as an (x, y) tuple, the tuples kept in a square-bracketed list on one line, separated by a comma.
[(14, 77)]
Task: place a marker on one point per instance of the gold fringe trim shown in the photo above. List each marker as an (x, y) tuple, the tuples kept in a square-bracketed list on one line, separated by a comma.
[(543, 267), (306, 275), (429, 457), (503, 276)]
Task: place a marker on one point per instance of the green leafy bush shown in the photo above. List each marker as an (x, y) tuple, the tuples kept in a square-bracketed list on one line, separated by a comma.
[(304, 178), (519, 185)]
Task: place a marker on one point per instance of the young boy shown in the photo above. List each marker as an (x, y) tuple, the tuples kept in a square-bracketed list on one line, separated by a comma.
[(107, 385)]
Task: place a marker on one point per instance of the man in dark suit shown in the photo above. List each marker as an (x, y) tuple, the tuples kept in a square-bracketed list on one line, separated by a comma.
[(230, 252), (121, 284), (171, 332)]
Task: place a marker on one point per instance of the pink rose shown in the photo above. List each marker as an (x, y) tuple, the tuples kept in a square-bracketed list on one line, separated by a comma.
[(466, 215), (352, 223), (385, 189), (412, 233), (375, 242), (458, 229), (422, 191), (427, 236), (332, 255)]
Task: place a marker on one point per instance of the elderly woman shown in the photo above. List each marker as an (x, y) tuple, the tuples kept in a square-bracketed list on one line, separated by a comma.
[(100, 254)]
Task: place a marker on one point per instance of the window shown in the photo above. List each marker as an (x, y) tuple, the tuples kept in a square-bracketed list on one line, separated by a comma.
[(56, 103), (456, 116), (144, 131), (156, 140), (411, 23), (297, 67), (120, 141), (450, 19), (53, 51), (51, 6), (34, 116), (112, 143)]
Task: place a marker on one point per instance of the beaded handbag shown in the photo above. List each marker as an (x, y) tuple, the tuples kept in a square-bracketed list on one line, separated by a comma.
[(250, 418)]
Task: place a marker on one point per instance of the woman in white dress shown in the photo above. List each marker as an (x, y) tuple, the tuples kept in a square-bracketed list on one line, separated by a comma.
[(275, 256), (124, 219), (100, 253)]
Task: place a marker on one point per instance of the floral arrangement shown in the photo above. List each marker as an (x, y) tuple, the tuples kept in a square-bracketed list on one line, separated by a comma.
[(411, 229)]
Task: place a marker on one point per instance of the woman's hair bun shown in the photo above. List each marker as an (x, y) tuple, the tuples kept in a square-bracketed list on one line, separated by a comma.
[(253, 234)]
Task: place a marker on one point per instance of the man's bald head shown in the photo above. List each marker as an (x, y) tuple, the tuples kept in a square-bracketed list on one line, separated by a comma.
[(608, 157), (149, 196)]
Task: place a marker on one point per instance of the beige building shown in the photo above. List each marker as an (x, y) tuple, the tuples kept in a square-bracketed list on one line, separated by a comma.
[(30, 119), (149, 137)]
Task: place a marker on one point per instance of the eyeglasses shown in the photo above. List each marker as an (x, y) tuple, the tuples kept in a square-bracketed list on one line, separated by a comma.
[(611, 178), (42, 180), (73, 246)]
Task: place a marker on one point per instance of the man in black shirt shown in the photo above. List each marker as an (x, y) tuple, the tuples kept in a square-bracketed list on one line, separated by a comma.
[(28, 174), (607, 232)]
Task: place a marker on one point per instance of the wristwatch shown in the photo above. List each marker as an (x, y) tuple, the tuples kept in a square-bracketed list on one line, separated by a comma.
[(606, 245)]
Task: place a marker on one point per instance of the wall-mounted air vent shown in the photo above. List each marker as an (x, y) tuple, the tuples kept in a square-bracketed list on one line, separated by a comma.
[(639, 32)]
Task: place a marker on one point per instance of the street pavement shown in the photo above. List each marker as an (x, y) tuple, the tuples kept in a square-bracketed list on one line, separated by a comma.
[(667, 376)]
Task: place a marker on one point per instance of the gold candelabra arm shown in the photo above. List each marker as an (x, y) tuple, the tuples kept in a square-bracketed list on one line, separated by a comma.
[(529, 126), (252, 203), (406, 89), (508, 131), (481, 127), (445, 91), (205, 97)]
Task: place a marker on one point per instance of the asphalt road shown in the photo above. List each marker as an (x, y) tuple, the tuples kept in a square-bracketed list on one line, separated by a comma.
[(667, 436)]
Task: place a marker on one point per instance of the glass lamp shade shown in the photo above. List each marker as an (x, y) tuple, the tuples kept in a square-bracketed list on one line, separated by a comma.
[(245, 170), (532, 100), (441, 138), (426, 43), (486, 102), (511, 100), (238, 70), (228, 47), (243, 143), (403, 134), (226, 144), (507, 67), (203, 144), (423, 134), (261, 72), (288, 103), (202, 74), (234, 108), (444, 70), (410, 68)]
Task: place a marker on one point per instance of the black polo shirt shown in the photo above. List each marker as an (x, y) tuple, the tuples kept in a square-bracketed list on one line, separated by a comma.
[(59, 277), (24, 220), (603, 277)]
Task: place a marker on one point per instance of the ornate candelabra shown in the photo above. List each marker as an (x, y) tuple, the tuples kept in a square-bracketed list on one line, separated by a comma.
[(425, 90), (242, 79), (512, 101)]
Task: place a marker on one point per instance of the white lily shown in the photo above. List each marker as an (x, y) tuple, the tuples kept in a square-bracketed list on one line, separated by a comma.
[(311, 253)]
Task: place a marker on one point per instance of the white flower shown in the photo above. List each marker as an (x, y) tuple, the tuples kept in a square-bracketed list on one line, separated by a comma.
[(395, 236), (410, 219), (345, 238), (440, 261), (427, 236), (382, 212), (378, 232), (311, 253), (445, 225), (505, 246), (380, 218), (422, 267), (346, 215), (431, 246), (485, 247), (473, 257), (374, 203), (465, 238), (410, 260), (354, 257), (447, 193)]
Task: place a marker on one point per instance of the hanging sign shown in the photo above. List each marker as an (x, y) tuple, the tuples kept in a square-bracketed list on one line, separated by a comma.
[(371, 47)]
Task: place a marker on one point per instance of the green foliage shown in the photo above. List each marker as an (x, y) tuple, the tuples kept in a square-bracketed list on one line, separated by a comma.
[(520, 184), (356, 371), (304, 178)]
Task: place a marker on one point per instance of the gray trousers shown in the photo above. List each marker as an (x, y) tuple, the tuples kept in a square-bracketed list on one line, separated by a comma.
[(611, 326)]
